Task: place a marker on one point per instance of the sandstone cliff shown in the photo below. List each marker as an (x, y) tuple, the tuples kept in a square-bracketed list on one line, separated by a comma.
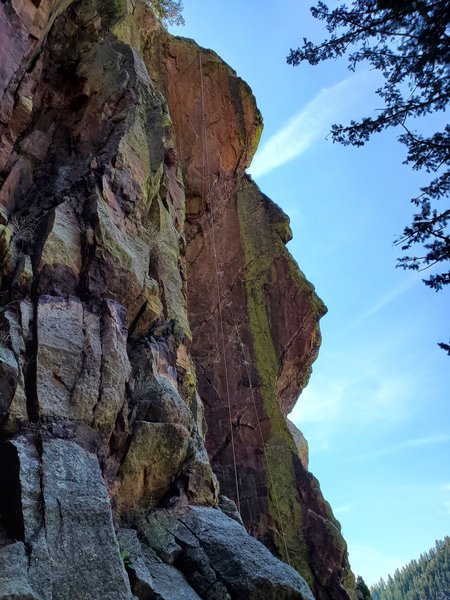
[(154, 330)]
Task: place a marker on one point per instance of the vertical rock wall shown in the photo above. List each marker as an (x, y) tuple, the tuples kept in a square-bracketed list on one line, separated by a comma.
[(254, 319), (146, 296)]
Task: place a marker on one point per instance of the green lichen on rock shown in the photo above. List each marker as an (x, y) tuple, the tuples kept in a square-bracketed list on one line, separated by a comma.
[(154, 458), (63, 243), (6, 234), (112, 11), (119, 7), (262, 246), (318, 308), (285, 507), (9, 253), (166, 259)]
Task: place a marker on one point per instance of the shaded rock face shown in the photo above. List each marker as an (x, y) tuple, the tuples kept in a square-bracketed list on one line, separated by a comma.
[(61, 518), (154, 330)]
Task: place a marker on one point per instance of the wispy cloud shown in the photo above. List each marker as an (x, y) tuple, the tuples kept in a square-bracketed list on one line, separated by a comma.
[(389, 296), (364, 381), (343, 508), (369, 395), (420, 442), (408, 282), (424, 441), (313, 122)]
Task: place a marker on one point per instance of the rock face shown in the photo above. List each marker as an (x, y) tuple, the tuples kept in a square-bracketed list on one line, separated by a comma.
[(154, 330)]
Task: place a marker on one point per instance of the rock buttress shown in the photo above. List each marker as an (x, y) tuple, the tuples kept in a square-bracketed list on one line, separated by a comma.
[(108, 141), (254, 319)]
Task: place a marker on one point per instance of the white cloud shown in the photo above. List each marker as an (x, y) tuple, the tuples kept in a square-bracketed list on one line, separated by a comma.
[(343, 508), (313, 122), (420, 442), (404, 286), (363, 382), (366, 395), (408, 282), (424, 441)]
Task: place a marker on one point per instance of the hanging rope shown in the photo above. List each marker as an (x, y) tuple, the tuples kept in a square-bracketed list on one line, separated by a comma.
[(263, 444), (216, 264), (206, 168)]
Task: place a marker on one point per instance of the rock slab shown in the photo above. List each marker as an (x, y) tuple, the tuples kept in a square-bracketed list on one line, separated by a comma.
[(69, 548)]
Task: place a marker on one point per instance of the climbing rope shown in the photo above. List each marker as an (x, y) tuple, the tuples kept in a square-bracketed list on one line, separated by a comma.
[(235, 325), (264, 447), (206, 166)]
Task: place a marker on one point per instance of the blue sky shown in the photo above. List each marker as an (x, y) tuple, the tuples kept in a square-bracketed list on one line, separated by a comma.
[(376, 412)]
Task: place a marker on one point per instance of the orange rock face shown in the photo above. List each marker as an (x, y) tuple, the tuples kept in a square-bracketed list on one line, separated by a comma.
[(215, 117)]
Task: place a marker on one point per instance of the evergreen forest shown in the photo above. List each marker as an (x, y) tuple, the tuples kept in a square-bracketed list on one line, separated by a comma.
[(427, 578)]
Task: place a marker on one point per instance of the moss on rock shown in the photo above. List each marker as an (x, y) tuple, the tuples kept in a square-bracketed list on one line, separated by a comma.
[(262, 246)]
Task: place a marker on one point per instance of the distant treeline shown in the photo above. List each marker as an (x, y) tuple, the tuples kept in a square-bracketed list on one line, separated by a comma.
[(425, 579)]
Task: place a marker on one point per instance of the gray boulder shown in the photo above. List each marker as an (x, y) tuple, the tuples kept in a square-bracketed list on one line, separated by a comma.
[(150, 577), (14, 584), (219, 558), (59, 508)]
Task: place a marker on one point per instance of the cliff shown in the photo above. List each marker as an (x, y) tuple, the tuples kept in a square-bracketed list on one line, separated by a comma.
[(154, 329)]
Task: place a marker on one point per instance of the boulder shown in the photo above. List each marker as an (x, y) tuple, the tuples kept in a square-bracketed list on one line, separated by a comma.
[(219, 558), (57, 504)]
